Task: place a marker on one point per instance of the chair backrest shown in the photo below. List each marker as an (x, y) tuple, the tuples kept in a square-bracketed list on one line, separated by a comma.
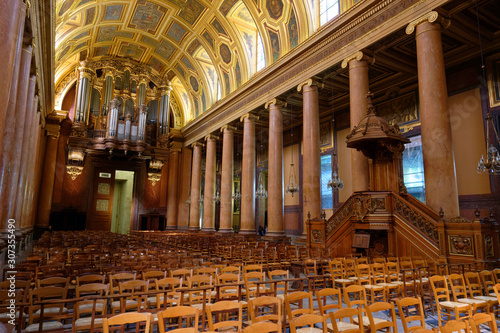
[(483, 319), (473, 284), (455, 326), (210, 271), (216, 321), (116, 279), (90, 278), (379, 260), (252, 268), (127, 318), (298, 298), (496, 275), (251, 288), (180, 312), (378, 273), (457, 285), (46, 294), (168, 284), (55, 281), (279, 274), (439, 288), (355, 295), (226, 290), (390, 323), (262, 327), (350, 313), (265, 308), (308, 319), (404, 306), (328, 299), (488, 281), (182, 273), (198, 296), (92, 289), (153, 275), (231, 269)]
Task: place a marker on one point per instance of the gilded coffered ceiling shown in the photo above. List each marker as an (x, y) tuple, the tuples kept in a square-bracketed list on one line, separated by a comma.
[(207, 49)]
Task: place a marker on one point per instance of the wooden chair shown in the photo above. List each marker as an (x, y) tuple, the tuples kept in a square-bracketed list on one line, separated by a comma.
[(219, 316), (488, 281), (338, 325), (308, 320), (483, 319), (265, 308), (355, 296), (127, 318), (115, 279), (281, 288), (180, 313), (153, 275), (325, 304), (200, 298), (252, 268), (85, 313), (455, 326), (53, 314), (444, 306), (227, 289), (134, 300), (90, 278), (56, 281), (411, 310), (251, 288), (459, 292), (476, 291), (382, 324), (296, 300), (210, 271), (182, 273), (263, 327)]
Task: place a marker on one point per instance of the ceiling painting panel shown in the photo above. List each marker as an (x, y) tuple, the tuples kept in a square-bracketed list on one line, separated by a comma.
[(177, 32), (147, 17), (113, 13)]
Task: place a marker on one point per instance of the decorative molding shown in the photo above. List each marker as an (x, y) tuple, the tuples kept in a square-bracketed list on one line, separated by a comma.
[(461, 245), (429, 17), (250, 116), (417, 219), (211, 137), (228, 127), (275, 101), (489, 251), (310, 82)]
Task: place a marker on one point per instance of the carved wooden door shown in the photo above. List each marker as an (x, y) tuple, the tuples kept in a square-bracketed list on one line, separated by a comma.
[(102, 200)]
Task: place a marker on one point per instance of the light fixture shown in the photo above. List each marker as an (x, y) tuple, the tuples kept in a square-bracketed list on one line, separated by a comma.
[(188, 201), (261, 190), (154, 172), (74, 164), (335, 183), (292, 186), (200, 200), (216, 197), (236, 196), (492, 163)]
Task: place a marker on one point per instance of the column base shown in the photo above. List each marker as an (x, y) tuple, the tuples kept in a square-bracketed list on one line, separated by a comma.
[(194, 228), (170, 227), (208, 229), (247, 232), (225, 231), (275, 234)]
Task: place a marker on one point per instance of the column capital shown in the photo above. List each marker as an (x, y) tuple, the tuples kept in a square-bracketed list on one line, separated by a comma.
[(430, 17), (211, 137), (175, 150), (358, 56), (197, 144), (276, 101), (52, 130), (165, 87), (228, 127), (85, 70), (310, 82), (250, 116)]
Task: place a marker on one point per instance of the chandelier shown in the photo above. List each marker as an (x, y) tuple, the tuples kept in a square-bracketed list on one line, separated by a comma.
[(237, 195), (335, 182), (492, 163), (261, 190), (292, 186), (216, 198), (200, 200)]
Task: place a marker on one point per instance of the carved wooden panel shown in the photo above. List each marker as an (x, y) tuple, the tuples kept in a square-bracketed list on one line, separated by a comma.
[(461, 245), (103, 188), (102, 205)]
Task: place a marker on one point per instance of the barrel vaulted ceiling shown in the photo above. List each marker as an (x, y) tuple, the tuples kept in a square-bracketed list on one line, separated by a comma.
[(199, 45)]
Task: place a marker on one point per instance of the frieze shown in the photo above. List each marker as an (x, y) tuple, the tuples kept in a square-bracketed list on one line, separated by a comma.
[(461, 245)]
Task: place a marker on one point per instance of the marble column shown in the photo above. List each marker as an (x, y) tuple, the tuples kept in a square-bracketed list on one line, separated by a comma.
[(248, 170), (311, 163), (172, 191), (12, 17), (194, 209), (226, 190), (210, 181), (33, 156), (358, 89), (437, 149), (25, 138), (47, 182), (275, 168), (13, 138)]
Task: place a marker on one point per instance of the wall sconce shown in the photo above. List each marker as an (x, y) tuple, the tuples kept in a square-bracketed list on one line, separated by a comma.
[(74, 163), (154, 172)]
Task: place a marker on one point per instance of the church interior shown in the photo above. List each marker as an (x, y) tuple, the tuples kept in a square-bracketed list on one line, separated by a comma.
[(349, 146)]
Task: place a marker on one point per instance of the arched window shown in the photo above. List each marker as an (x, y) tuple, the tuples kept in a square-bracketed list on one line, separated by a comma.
[(328, 9), (261, 58)]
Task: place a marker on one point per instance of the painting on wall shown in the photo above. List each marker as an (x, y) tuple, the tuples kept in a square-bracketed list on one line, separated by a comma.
[(493, 74), (156, 64), (101, 51), (225, 53), (293, 30), (218, 26), (147, 17), (275, 44), (399, 110), (274, 8)]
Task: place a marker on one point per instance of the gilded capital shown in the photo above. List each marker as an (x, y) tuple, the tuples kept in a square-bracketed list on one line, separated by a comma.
[(250, 116), (228, 128), (52, 130), (211, 137), (197, 144), (357, 56), (276, 101), (429, 17), (310, 82)]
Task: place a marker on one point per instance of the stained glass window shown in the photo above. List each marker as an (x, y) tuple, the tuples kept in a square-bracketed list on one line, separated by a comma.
[(326, 173), (413, 168)]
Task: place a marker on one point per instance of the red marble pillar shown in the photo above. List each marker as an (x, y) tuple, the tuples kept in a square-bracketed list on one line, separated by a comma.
[(439, 164), (47, 181), (25, 138), (248, 170), (275, 169), (210, 181), (226, 191), (194, 211), (311, 170), (12, 17), (172, 195), (29, 189), (12, 143), (358, 89)]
